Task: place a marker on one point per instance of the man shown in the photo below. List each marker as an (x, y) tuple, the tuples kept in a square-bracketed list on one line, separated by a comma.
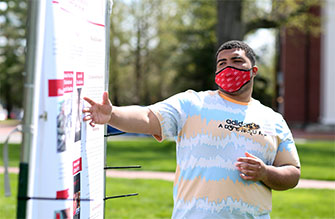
[(231, 150)]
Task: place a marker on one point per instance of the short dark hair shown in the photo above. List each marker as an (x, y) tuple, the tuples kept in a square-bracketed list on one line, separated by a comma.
[(236, 44)]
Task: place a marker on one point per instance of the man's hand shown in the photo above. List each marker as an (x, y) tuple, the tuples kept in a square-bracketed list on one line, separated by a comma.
[(251, 168), (98, 113), (134, 119), (275, 177)]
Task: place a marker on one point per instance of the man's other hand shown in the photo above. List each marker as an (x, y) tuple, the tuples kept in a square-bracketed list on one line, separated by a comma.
[(251, 167)]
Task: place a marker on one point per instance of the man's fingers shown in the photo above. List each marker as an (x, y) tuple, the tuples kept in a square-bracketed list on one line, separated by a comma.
[(92, 124), (249, 172), (246, 177), (89, 101), (87, 110), (105, 98), (247, 160), (247, 166), (250, 155), (86, 118)]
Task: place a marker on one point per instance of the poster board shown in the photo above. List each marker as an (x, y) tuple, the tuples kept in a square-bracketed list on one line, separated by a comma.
[(66, 157)]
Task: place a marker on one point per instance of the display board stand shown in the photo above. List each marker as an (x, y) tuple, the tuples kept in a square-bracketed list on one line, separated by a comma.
[(62, 161)]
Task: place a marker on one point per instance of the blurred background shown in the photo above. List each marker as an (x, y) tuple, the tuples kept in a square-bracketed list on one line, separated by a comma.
[(161, 47)]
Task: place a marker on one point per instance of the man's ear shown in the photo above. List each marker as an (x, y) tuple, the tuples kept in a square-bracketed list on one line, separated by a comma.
[(254, 70)]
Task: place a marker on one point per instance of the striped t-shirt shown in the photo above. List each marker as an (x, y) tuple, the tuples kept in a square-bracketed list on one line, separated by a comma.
[(211, 132)]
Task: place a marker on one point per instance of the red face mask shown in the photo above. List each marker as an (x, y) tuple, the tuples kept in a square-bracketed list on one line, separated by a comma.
[(231, 79)]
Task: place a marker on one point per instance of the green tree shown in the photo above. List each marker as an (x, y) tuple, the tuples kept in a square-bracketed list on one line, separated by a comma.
[(236, 18), (142, 47), (119, 38), (160, 48), (195, 64), (12, 46)]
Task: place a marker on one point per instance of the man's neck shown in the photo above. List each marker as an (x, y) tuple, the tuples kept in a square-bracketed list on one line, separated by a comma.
[(244, 97)]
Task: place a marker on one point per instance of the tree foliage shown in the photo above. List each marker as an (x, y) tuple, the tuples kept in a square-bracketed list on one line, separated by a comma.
[(143, 47), (12, 44), (159, 48), (293, 14), (170, 45), (195, 65)]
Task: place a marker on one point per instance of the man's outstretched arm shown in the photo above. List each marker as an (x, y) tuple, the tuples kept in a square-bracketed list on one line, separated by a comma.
[(134, 119)]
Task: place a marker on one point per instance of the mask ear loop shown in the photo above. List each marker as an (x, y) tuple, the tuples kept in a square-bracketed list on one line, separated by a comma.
[(252, 72)]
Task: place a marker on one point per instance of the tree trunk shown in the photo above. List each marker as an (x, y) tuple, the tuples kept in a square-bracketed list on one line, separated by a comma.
[(113, 67), (8, 99), (138, 65), (229, 25), (114, 78)]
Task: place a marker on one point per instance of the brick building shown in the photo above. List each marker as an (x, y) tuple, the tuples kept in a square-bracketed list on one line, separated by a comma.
[(307, 72)]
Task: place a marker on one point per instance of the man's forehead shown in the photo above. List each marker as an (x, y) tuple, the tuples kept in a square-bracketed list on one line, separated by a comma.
[(229, 53)]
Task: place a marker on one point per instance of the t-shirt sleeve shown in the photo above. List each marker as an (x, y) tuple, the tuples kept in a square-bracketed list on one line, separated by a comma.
[(170, 114), (287, 152)]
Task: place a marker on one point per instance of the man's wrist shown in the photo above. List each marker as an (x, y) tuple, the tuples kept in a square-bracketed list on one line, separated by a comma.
[(265, 177), (111, 115)]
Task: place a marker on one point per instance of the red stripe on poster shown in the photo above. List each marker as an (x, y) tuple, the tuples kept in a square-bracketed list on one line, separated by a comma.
[(80, 78), (77, 166), (56, 87), (68, 81), (63, 194), (97, 24)]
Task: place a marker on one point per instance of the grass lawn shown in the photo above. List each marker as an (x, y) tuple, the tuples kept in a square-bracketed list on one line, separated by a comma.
[(9, 122), (147, 152), (155, 200), (13, 155), (303, 203), (317, 157), (8, 204)]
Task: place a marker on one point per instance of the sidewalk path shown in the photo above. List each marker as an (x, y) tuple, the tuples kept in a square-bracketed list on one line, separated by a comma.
[(5, 130), (169, 176), (298, 135)]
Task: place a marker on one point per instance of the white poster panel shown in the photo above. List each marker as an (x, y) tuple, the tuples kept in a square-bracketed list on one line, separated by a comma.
[(66, 177)]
